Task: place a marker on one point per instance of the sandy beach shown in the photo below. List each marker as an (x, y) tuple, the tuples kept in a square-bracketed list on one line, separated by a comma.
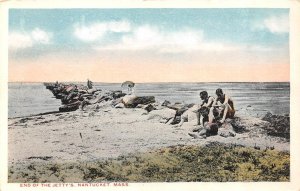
[(110, 132), (96, 126)]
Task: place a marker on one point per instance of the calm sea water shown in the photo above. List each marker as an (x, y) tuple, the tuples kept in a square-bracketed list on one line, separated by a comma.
[(25, 99)]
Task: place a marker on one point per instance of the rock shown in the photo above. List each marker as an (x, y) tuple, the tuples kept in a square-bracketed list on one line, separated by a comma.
[(128, 99), (190, 115), (162, 115), (177, 106), (246, 124), (59, 95), (81, 91), (196, 129), (131, 101), (71, 95), (92, 91), (116, 102), (180, 107), (149, 108), (87, 95), (140, 106), (70, 107), (226, 130), (143, 100), (118, 94), (194, 135), (166, 103), (279, 125), (70, 88), (96, 99), (120, 105)]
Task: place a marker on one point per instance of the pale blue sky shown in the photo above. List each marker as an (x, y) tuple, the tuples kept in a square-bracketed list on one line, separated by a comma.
[(151, 36), (240, 26)]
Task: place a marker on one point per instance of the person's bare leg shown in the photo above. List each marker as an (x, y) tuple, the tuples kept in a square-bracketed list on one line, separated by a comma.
[(224, 114), (211, 115), (201, 120), (198, 118)]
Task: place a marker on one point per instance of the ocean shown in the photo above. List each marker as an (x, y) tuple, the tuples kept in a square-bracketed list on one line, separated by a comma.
[(25, 99)]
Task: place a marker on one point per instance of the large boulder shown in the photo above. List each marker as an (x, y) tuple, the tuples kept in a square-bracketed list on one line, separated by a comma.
[(128, 99), (226, 130), (279, 125), (69, 88), (143, 100), (92, 91), (149, 108), (162, 115), (70, 107), (176, 106), (247, 124), (190, 115), (118, 94), (131, 101)]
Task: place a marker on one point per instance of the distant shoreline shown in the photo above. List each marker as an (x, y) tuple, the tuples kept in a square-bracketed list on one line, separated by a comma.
[(155, 82)]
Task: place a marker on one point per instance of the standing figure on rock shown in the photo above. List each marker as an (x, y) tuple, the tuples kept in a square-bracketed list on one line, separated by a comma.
[(89, 84), (130, 87), (222, 107)]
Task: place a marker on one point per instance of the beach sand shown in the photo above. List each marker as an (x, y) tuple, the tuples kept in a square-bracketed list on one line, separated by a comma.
[(111, 132)]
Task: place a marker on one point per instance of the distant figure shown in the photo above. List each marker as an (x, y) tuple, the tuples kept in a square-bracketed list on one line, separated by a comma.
[(89, 84), (222, 107), (130, 86), (130, 89)]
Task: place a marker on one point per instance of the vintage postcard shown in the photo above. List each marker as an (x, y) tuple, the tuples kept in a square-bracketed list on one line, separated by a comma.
[(149, 95)]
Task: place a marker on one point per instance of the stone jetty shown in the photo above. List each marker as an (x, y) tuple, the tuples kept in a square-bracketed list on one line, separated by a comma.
[(75, 96)]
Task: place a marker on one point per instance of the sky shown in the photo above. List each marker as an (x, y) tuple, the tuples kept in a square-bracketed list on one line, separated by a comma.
[(149, 45)]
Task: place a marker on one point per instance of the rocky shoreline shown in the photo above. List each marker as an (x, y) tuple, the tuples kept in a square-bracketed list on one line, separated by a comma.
[(74, 97), (106, 124)]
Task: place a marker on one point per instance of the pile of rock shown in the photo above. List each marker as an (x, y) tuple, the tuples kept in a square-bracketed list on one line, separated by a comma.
[(74, 96)]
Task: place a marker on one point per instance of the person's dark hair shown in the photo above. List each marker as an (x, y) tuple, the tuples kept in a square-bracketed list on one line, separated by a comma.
[(219, 91), (203, 93)]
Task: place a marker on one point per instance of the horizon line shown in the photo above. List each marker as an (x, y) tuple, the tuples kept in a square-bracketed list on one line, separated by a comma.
[(152, 82)]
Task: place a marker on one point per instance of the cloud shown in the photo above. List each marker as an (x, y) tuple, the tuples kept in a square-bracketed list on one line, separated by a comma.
[(142, 37), (274, 24), (40, 36), (150, 37), (186, 40), (96, 31), (23, 40), (118, 26), (19, 41)]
